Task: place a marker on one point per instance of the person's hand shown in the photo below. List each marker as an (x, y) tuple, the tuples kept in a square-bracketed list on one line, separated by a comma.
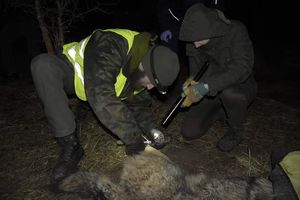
[(166, 35), (135, 148), (193, 93), (187, 83)]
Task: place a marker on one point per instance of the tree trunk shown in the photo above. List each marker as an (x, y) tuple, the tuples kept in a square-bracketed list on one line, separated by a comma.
[(45, 33), (60, 26)]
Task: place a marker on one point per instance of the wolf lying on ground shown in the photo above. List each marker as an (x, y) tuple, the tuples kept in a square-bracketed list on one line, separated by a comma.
[(153, 176)]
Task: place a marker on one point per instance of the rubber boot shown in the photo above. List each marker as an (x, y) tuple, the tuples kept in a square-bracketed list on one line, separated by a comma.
[(71, 153), (231, 139)]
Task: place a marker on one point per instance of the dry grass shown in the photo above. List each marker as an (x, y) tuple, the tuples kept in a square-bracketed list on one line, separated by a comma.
[(28, 151)]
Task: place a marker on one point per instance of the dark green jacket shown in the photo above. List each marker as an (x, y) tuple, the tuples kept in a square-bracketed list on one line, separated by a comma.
[(229, 52), (104, 56)]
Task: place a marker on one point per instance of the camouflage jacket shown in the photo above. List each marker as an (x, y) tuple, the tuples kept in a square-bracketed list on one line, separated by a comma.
[(104, 56)]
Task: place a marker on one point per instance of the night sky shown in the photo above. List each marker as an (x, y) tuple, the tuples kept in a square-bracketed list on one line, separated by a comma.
[(272, 26)]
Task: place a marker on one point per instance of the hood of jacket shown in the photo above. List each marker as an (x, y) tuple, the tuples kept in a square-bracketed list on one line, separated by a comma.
[(201, 23)]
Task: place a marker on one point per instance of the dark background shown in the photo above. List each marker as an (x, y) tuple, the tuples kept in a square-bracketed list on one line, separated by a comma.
[(272, 26)]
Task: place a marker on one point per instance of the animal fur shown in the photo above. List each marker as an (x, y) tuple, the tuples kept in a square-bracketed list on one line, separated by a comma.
[(153, 176)]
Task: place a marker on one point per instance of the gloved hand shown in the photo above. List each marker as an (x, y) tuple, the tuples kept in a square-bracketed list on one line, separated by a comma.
[(187, 83), (166, 35), (135, 148), (193, 93)]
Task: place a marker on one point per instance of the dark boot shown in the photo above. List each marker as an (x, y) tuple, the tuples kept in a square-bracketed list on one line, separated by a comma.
[(70, 155), (231, 138)]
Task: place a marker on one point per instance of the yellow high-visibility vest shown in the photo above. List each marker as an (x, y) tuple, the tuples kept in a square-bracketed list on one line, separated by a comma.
[(291, 166), (75, 54)]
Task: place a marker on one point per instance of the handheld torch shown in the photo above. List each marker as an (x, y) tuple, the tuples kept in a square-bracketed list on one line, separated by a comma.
[(176, 106)]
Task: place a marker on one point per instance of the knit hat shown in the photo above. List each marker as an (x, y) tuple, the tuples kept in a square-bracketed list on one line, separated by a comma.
[(161, 65)]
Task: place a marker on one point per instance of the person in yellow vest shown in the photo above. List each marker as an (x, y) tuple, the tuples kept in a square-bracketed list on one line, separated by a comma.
[(285, 173), (112, 70)]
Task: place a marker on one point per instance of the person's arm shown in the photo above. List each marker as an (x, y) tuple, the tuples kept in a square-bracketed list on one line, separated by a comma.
[(104, 56), (140, 105), (196, 59), (241, 63)]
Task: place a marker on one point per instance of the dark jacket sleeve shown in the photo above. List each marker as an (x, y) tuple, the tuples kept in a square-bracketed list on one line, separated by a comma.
[(196, 59), (105, 53), (140, 105), (240, 65)]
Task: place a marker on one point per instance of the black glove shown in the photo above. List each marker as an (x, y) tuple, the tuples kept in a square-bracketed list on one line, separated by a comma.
[(135, 148)]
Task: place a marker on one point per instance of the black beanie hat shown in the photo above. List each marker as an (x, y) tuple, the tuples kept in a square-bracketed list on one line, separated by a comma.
[(165, 66)]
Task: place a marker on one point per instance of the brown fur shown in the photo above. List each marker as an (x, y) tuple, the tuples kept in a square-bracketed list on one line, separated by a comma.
[(151, 175)]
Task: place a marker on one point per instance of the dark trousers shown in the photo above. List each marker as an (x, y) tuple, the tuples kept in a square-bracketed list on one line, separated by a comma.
[(230, 104), (53, 77)]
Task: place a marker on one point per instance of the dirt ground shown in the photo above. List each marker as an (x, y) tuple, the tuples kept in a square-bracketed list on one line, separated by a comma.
[(28, 150)]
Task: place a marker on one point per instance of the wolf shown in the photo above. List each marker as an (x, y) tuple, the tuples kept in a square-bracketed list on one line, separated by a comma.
[(152, 175)]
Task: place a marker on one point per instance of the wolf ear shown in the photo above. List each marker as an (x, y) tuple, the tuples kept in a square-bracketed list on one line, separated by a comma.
[(87, 185)]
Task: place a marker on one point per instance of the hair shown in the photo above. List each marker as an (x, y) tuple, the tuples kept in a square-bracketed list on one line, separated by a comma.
[(153, 176)]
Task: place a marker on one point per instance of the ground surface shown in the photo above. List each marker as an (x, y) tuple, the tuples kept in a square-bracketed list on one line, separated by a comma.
[(28, 151)]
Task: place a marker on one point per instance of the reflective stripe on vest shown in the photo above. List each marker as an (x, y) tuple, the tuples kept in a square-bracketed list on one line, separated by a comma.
[(75, 53)]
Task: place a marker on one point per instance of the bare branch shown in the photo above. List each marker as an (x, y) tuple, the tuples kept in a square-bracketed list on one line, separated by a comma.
[(56, 17)]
